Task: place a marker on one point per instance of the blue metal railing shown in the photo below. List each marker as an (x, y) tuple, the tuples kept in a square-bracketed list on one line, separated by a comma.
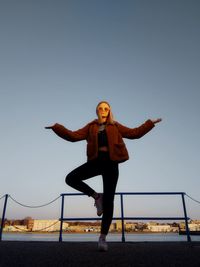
[(3, 215), (122, 217)]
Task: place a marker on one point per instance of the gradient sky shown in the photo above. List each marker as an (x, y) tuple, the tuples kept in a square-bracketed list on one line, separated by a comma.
[(59, 58)]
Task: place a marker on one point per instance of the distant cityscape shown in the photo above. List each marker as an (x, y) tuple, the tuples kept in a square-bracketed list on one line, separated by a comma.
[(34, 225)]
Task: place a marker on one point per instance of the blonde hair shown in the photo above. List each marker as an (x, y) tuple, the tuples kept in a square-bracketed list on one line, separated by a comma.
[(110, 118)]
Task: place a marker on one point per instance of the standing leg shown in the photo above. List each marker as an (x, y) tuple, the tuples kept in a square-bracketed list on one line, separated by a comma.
[(110, 178)]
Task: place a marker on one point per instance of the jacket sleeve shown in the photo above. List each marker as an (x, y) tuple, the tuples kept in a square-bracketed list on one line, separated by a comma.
[(135, 133), (69, 135)]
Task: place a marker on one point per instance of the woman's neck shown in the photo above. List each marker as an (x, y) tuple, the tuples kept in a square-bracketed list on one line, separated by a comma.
[(102, 121)]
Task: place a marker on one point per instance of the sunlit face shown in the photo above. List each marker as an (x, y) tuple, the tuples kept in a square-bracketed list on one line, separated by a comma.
[(103, 111)]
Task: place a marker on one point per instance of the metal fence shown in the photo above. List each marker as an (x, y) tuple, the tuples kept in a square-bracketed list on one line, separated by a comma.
[(122, 218)]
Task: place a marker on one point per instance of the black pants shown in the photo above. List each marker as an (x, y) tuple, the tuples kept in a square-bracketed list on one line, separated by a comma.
[(109, 171)]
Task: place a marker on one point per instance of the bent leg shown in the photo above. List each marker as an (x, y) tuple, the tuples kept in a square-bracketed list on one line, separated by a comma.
[(85, 171)]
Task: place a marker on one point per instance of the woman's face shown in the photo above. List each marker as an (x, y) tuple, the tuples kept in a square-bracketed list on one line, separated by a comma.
[(103, 111)]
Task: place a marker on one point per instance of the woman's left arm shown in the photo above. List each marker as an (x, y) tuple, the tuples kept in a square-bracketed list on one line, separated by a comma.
[(138, 132)]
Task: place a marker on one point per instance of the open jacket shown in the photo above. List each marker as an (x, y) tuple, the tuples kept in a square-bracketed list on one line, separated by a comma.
[(115, 134)]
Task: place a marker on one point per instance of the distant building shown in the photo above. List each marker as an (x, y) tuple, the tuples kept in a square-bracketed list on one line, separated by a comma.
[(194, 226), (48, 225), (128, 226), (15, 228), (159, 228)]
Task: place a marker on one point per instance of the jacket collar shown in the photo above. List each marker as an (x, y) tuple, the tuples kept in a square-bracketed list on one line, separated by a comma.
[(97, 122)]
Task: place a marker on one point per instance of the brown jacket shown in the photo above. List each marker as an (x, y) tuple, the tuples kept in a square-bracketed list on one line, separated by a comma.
[(115, 133)]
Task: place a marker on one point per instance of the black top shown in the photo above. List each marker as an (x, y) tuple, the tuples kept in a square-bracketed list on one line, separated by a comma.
[(102, 138)]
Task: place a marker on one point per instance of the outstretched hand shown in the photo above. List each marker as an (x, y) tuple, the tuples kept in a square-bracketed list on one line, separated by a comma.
[(48, 127), (156, 120)]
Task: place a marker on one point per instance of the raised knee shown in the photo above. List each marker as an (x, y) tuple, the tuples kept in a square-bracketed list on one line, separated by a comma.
[(68, 179)]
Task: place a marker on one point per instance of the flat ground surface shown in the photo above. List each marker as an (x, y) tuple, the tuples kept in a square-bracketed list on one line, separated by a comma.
[(162, 254)]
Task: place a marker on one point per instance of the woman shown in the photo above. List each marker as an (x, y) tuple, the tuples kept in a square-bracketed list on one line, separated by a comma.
[(105, 150)]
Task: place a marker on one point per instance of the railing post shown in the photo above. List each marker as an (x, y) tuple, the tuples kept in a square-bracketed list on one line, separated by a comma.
[(3, 215), (61, 218), (186, 220), (122, 217)]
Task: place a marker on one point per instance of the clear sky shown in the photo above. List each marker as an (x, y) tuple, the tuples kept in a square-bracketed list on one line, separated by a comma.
[(59, 58)]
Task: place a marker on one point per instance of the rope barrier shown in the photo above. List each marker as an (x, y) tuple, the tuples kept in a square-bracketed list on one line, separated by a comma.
[(46, 204), (2, 197), (33, 207), (193, 198)]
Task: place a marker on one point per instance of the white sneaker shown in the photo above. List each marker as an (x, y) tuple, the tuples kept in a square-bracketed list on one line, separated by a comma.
[(102, 245), (99, 204)]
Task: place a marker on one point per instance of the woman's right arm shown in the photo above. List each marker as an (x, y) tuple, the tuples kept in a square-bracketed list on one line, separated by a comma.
[(69, 135)]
